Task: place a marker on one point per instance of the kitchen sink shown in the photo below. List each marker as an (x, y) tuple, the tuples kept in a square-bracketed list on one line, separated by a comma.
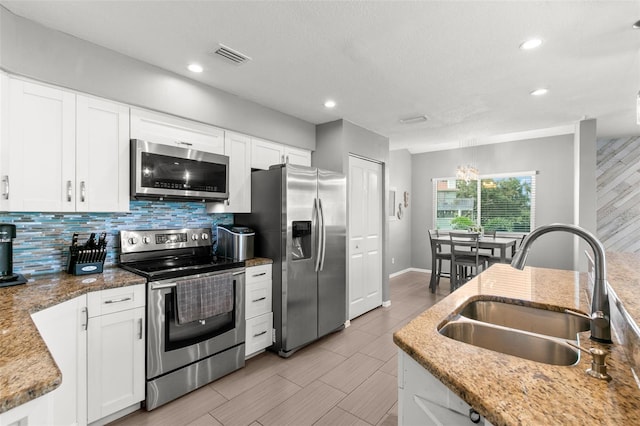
[(527, 318), (511, 342)]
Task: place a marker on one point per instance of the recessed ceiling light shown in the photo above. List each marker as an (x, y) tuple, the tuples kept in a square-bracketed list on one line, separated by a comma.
[(194, 68), (530, 44), (539, 92), (330, 104)]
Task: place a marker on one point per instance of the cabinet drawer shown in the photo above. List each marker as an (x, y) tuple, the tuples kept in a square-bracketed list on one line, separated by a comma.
[(115, 300), (258, 273), (258, 333), (257, 298)]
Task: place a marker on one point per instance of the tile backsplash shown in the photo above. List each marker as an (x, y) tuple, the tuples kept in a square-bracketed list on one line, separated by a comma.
[(42, 241)]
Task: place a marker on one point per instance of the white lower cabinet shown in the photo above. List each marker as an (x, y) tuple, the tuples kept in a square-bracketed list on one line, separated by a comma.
[(424, 400), (98, 342), (63, 329), (258, 309), (115, 351)]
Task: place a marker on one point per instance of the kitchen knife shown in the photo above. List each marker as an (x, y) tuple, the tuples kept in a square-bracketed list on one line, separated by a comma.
[(91, 242), (74, 239)]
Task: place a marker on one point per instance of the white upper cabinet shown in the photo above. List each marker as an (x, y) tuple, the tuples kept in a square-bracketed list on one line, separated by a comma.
[(38, 152), (168, 130), (238, 148), (102, 155), (301, 157), (62, 152), (265, 154)]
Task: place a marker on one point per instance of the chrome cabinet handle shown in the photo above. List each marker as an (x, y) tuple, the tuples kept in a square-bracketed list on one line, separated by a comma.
[(324, 234), (259, 275), (83, 191), (287, 159), (69, 191), (316, 225), (258, 300), (5, 181), (282, 158), (85, 326), (139, 328), (183, 143), (260, 334), (228, 200), (124, 299)]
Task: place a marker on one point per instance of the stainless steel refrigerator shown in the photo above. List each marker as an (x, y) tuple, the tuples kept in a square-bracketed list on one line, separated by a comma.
[(299, 215)]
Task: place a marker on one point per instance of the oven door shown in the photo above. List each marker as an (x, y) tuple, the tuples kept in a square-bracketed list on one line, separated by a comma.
[(171, 345)]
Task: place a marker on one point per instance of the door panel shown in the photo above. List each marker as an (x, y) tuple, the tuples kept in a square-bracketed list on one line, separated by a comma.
[(299, 279), (365, 236), (332, 292)]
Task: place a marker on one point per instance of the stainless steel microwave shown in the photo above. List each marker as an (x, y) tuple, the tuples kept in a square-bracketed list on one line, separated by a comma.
[(174, 173)]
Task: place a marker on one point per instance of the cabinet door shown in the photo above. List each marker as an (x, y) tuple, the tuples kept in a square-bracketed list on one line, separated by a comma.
[(174, 131), (115, 362), (102, 153), (265, 154), (40, 147), (238, 148), (300, 157), (63, 328)]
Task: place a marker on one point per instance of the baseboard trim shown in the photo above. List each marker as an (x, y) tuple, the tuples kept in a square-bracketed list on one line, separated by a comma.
[(395, 274)]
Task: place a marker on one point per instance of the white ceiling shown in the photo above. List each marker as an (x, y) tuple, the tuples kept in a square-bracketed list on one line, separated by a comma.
[(457, 62)]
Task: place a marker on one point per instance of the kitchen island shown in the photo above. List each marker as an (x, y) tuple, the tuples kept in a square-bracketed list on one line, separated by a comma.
[(508, 390)]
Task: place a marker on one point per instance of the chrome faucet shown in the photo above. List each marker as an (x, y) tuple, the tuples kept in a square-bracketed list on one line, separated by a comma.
[(600, 315)]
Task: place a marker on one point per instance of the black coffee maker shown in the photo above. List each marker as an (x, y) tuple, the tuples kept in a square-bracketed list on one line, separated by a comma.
[(7, 277)]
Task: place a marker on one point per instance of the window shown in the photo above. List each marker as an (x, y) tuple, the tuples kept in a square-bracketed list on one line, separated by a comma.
[(504, 202)]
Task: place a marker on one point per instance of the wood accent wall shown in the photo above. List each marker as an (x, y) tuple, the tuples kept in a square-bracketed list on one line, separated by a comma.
[(618, 190)]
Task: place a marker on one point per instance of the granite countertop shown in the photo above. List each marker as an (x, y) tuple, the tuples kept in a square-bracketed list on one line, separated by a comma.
[(27, 370), (508, 390), (257, 261)]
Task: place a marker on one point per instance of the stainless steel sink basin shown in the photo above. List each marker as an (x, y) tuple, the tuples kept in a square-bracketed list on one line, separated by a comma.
[(511, 342), (535, 320)]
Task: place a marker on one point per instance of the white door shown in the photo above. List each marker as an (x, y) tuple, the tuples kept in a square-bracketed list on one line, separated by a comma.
[(365, 236), (102, 153)]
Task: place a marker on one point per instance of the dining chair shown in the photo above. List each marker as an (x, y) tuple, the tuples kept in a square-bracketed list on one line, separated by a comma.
[(440, 255), (489, 251), (466, 259)]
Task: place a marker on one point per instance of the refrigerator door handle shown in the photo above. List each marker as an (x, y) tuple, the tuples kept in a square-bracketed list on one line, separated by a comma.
[(323, 230), (316, 218)]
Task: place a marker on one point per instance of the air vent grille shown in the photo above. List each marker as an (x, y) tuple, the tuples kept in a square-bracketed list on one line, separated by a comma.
[(232, 55)]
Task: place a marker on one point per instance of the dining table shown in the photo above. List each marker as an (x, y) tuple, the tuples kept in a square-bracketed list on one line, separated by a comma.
[(484, 242)]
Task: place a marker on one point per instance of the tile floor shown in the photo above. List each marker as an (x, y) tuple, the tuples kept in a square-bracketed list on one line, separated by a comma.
[(346, 378)]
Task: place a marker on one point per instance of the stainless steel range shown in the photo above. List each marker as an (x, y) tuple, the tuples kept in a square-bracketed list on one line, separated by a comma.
[(184, 354)]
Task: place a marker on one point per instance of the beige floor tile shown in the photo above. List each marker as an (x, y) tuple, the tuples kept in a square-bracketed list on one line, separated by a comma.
[(338, 417), (385, 323), (305, 407), (255, 371), (182, 411), (382, 348), (351, 373), (372, 399), (248, 406), (206, 420), (391, 366), (347, 342), (309, 364), (389, 420)]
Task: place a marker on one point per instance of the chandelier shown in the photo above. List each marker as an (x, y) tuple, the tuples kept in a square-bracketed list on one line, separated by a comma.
[(467, 173)]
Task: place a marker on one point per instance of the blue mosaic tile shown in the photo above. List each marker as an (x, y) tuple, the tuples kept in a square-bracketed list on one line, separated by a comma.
[(42, 240)]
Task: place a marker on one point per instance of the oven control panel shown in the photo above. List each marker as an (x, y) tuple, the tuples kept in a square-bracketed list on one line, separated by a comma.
[(161, 239)]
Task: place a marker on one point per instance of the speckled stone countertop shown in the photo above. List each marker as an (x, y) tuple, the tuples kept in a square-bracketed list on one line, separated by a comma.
[(508, 390), (257, 261), (27, 370)]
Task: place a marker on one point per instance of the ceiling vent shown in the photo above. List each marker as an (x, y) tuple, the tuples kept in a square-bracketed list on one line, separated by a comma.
[(232, 55)]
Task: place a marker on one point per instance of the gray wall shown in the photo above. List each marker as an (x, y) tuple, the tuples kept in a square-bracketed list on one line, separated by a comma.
[(32, 50), (552, 157), (334, 142), (399, 257)]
